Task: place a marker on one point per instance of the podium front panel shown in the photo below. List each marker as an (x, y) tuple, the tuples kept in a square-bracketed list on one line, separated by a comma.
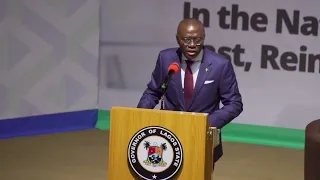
[(157, 144)]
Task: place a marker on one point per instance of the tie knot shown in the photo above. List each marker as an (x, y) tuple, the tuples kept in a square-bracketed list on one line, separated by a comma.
[(189, 63)]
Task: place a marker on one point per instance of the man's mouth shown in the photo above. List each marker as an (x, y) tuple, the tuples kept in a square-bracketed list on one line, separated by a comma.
[(191, 53)]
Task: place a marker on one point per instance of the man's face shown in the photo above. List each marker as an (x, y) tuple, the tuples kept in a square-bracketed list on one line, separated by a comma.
[(191, 39)]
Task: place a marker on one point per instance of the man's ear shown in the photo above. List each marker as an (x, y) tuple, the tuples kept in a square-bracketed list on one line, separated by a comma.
[(177, 39)]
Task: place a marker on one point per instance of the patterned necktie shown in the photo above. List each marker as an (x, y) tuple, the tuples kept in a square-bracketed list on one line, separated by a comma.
[(188, 83)]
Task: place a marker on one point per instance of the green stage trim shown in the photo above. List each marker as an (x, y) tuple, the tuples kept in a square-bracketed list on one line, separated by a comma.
[(242, 133), (103, 122)]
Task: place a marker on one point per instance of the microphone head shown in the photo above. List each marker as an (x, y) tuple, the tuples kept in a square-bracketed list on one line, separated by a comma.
[(174, 67)]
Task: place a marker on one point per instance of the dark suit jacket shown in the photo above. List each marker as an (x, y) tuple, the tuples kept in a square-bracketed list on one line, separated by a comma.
[(223, 87)]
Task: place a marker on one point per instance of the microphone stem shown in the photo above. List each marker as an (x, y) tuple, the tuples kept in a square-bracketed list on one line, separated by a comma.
[(162, 98), (164, 86), (161, 108)]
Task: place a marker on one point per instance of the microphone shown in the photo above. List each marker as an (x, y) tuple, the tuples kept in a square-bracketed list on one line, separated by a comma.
[(172, 69)]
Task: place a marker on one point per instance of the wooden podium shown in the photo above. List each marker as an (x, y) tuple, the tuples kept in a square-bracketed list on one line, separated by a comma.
[(160, 145)]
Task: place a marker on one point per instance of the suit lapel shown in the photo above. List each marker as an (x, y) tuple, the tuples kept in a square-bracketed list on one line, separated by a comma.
[(204, 71)]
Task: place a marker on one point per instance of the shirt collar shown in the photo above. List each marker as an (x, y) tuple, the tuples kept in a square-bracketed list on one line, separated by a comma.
[(197, 58)]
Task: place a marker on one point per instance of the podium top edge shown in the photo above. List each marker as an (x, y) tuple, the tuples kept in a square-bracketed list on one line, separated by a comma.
[(157, 110)]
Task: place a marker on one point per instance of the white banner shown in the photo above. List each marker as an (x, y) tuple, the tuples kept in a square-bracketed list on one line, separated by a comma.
[(273, 45)]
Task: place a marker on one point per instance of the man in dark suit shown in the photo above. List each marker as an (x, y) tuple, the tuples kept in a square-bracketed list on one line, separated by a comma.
[(205, 78)]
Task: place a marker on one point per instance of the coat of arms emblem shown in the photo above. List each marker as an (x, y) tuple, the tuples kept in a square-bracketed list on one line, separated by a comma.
[(155, 154)]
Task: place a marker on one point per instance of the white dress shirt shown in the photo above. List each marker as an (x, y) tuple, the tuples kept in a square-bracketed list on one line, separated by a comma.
[(194, 67)]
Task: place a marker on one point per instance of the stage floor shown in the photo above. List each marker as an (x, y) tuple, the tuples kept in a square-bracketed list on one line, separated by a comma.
[(84, 156)]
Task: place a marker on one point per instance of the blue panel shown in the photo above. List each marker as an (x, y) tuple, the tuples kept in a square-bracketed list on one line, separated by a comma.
[(45, 124)]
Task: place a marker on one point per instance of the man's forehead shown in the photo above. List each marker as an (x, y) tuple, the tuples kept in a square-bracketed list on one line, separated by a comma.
[(193, 34), (190, 26), (191, 31)]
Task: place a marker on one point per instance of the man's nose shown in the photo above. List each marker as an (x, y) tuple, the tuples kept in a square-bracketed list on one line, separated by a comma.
[(192, 44)]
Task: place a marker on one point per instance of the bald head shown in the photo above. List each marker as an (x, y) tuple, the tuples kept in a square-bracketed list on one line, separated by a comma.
[(190, 37), (190, 24)]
